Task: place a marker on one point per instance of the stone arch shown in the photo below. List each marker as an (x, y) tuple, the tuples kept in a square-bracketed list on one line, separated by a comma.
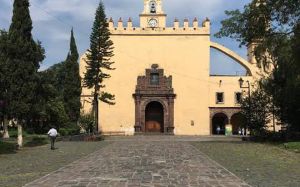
[(219, 120), (228, 111), (237, 121), (154, 117), (249, 67), (145, 103)]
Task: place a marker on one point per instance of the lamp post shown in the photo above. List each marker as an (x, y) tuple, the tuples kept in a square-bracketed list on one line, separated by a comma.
[(241, 81)]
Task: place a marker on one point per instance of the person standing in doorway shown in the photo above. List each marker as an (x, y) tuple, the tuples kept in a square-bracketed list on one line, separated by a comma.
[(240, 131), (52, 135), (218, 130), (243, 131)]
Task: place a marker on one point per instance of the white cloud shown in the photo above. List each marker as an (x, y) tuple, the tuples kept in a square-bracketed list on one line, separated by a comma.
[(81, 10), (53, 19)]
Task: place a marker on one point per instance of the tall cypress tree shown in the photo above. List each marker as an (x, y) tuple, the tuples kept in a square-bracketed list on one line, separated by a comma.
[(24, 58), (3, 81), (98, 60), (72, 82)]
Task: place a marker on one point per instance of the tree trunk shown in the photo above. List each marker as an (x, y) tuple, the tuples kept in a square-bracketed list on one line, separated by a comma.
[(96, 113), (5, 128), (20, 135)]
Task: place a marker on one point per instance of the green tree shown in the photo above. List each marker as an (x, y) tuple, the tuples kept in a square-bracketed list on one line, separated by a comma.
[(48, 106), (24, 58), (3, 82), (284, 84), (274, 27), (72, 82), (257, 111), (98, 60)]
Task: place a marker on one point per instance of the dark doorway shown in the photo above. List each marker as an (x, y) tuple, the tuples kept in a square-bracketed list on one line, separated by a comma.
[(219, 122), (238, 121), (154, 117)]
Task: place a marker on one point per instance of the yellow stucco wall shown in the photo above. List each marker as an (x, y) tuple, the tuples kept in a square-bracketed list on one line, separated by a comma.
[(183, 53), (229, 85)]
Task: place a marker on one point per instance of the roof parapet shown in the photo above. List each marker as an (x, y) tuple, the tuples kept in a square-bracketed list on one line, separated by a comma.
[(194, 28)]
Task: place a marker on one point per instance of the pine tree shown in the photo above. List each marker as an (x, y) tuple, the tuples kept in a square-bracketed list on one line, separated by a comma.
[(98, 60), (72, 82), (24, 57)]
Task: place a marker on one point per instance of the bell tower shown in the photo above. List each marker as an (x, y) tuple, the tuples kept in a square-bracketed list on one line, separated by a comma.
[(153, 15)]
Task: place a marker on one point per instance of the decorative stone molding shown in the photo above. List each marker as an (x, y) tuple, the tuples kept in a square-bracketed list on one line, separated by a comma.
[(146, 93)]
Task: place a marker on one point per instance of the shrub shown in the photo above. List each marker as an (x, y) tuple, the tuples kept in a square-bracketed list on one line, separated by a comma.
[(13, 133), (37, 141), (7, 147), (63, 132), (87, 122), (69, 131), (30, 131)]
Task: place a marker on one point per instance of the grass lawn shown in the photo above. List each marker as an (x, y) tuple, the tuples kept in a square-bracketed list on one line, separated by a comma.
[(292, 146), (20, 167), (258, 164)]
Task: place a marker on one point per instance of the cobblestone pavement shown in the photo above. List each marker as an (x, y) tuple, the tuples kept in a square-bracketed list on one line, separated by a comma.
[(160, 138), (143, 163)]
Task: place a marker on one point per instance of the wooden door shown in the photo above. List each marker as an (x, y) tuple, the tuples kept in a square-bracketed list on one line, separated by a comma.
[(153, 126), (154, 118)]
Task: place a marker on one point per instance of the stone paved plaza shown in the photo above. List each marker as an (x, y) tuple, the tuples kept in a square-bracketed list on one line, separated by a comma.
[(143, 161)]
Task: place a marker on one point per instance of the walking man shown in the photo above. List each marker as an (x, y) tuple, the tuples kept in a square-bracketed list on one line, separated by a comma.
[(52, 134)]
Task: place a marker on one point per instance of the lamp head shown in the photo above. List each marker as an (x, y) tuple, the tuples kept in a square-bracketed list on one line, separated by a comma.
[(241, 81)]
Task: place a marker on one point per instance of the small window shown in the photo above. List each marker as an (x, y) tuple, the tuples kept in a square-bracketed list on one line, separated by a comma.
[(154, 79), (238, 98), (220, 98)]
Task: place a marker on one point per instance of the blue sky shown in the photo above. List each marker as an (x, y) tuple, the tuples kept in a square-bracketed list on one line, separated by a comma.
[(53, 20)]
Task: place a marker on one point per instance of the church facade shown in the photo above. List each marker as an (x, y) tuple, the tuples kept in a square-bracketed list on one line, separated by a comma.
[(162, 81)]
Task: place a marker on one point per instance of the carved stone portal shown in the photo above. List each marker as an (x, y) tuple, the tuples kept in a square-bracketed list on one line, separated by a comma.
[(154, 102)]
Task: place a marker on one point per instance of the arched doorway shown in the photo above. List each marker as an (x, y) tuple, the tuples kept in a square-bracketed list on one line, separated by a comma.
[(219, 121), (154, 102), (237, 121), (154, 117)]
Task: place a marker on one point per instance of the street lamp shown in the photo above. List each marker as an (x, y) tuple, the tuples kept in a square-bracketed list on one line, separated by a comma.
[(241, 81)]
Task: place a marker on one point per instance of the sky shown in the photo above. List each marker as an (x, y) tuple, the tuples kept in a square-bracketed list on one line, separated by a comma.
[(53, 20)]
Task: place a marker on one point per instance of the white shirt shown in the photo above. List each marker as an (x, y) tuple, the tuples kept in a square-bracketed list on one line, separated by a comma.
[(52, 132)]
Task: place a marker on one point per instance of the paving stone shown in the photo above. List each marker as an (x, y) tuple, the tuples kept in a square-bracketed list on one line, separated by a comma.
[(153, 162)]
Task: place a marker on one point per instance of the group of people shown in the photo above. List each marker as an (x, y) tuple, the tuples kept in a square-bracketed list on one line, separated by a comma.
[(241, 131)]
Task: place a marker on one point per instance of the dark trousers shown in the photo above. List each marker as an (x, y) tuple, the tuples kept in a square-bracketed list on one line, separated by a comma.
[(52, 139)]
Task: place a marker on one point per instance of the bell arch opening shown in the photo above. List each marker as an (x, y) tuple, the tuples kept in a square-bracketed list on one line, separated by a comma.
[(154, 117)]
